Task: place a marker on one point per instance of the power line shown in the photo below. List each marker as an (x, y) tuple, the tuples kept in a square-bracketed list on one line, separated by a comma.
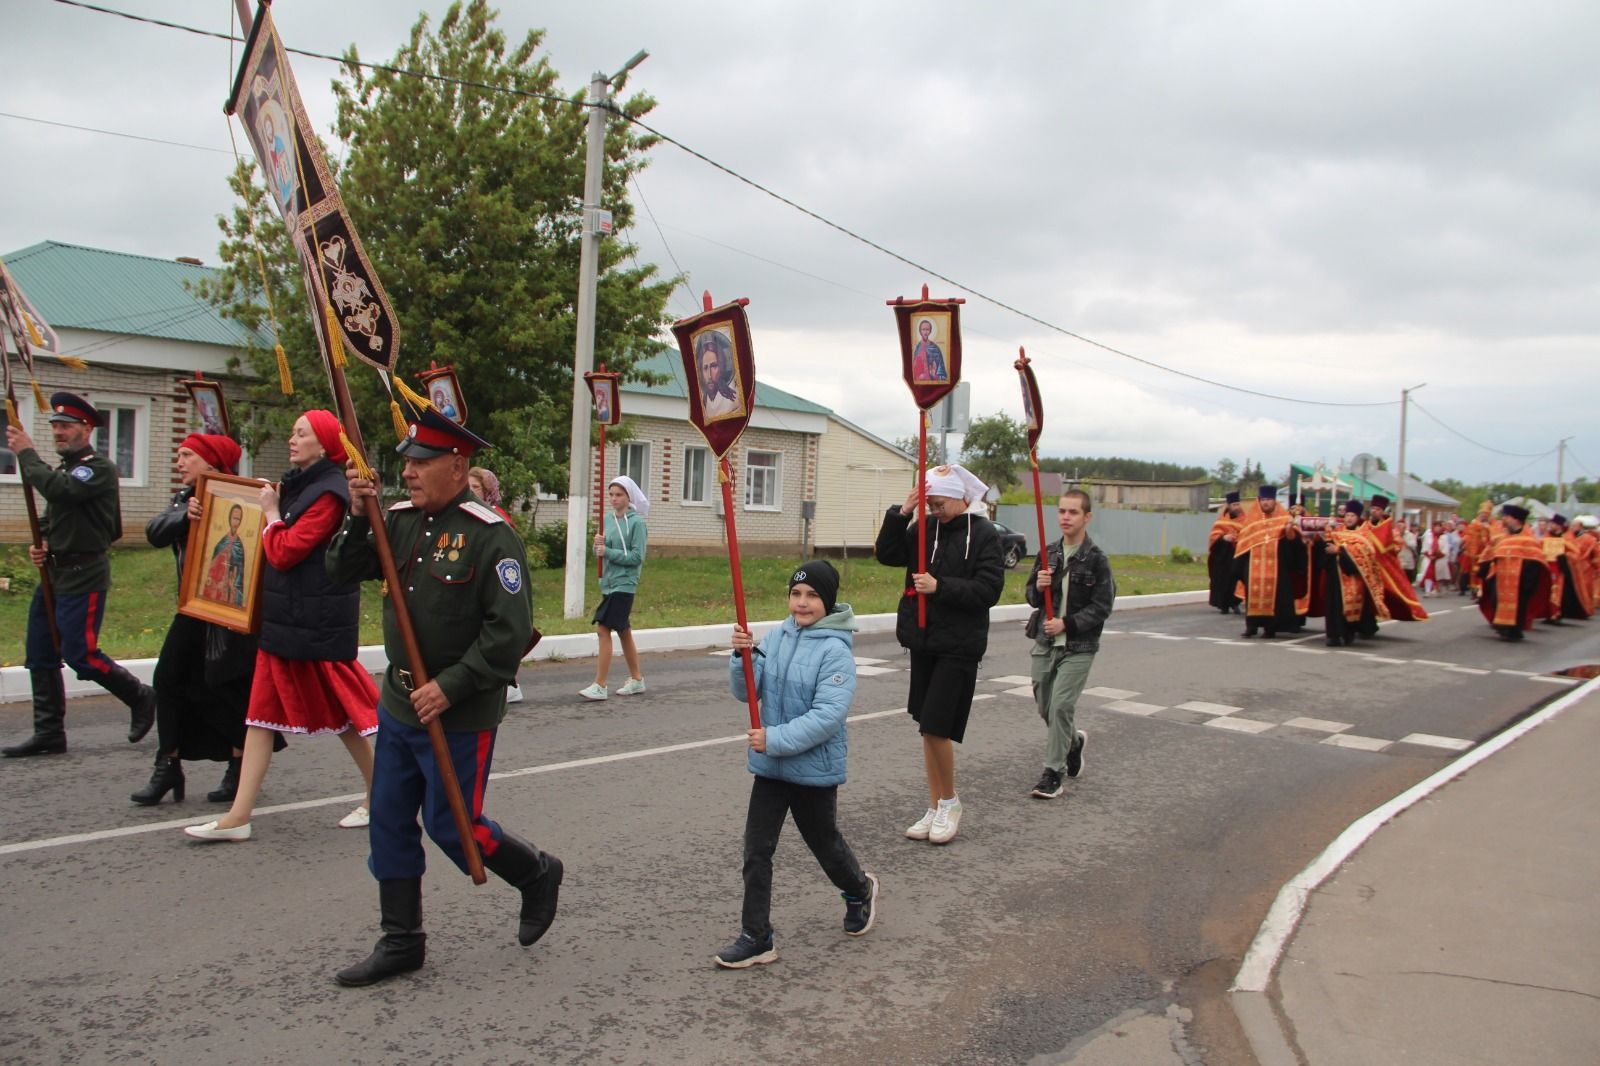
[(111, 133), (683, 275), (838, 227), (1477, 443)]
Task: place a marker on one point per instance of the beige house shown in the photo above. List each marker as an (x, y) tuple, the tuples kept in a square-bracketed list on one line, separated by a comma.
[(804, 479), (135, 322)]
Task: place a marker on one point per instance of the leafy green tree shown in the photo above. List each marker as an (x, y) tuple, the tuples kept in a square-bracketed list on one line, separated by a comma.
[(993, 448), (909, 446), (1226, 473), (468, 199)]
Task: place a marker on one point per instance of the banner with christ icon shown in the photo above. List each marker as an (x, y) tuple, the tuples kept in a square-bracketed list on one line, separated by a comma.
[(721, 372)]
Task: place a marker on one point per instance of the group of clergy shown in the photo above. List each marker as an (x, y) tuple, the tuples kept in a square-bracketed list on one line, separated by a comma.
[(1279, 566)]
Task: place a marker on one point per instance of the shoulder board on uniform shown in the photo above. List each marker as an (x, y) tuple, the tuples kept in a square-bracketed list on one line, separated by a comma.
[(481, 513), (403, 505)]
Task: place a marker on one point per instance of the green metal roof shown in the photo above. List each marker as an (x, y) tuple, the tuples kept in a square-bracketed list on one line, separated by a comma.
[(670, 364), (113, 292)]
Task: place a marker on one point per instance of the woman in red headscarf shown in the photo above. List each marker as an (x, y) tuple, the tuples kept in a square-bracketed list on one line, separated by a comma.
[(307, 679), (202, 679)]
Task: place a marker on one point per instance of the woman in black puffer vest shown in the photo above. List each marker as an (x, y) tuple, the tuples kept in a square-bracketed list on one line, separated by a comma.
[(307, 679)]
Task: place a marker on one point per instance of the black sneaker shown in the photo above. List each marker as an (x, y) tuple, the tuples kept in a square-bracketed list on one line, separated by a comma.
[(1049, 786), (859, 914), (747, 951), (1075, 756)]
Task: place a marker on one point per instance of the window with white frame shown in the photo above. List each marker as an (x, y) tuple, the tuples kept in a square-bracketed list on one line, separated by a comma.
[(634, 460), (10, 472), (124, 439), (696, 475), (762, 479)]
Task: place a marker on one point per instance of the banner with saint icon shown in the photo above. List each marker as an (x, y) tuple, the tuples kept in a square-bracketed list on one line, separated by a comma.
[(357, 314)]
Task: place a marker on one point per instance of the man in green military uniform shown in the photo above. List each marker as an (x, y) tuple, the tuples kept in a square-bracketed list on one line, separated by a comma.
[(83, 515), (464, 575)]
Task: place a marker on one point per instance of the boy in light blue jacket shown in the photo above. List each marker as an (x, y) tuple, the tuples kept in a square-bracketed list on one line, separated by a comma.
[(805, 673)]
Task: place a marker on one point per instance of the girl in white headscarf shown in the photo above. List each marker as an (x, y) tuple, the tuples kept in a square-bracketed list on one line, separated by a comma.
[(621, 545), (963, 579)]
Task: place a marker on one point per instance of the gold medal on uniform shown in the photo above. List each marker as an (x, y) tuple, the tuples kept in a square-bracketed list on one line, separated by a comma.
[(456, 546)]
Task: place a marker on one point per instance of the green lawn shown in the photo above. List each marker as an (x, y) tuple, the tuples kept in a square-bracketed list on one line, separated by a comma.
[(675, 591)]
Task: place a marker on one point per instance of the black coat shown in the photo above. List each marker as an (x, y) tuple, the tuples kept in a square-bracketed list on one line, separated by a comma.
[(1090, 594), (965, 557)]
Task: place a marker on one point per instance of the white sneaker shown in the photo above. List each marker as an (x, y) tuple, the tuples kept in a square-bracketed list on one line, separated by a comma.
[(919, 829), (945, 823), (513, 693), (632, 687), (595, 692), (359, 818)]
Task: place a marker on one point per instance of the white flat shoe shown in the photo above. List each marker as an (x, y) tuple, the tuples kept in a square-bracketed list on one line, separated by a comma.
[(359, 818), (209, 832)]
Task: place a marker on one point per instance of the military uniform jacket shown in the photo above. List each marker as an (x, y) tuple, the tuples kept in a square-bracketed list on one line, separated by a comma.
[(82, 516), (465, 578)]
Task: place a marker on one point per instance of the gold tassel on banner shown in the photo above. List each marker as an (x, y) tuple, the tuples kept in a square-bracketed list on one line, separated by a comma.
[(330, 322), (412, 397), (355, 456), (285, 379), (73, 361), (33, 332), (11, 412), (38, 396), (399, 420)]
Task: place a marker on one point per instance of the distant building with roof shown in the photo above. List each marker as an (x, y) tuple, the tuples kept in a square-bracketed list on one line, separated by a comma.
[(803, 477), (136, 322)]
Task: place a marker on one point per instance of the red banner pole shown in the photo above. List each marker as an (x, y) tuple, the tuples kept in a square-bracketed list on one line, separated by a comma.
[(600, 504), (1038, 506), (922, 514), (725, 475)]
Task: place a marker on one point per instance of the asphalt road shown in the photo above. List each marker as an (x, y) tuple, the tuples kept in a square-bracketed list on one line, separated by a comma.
[(1043, 928)]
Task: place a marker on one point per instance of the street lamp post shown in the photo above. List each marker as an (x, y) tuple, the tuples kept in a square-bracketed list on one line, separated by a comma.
[(596, 224)]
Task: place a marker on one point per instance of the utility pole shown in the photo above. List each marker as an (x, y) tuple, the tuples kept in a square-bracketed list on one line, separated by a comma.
[(1561, 462), (596, 224), (1400, 475)]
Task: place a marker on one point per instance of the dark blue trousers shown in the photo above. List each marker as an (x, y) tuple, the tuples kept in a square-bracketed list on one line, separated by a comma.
[(405, 780), (78, 619)]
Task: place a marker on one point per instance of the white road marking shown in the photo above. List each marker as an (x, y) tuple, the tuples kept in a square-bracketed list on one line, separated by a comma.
[(862, 660), (988, 696), (1350, 740), (1386, 659), (1502, 670), (1128, 707), (1020, 690), (1109, 693), (1432, 741), (1550, 680), (1310, 651), (1297, 640), (722, 651), (1164, 636), (1467, 670), (1208, 708), (1436, 662), (1011, 679), (1240, 725), (1320, 725), (873, 671)]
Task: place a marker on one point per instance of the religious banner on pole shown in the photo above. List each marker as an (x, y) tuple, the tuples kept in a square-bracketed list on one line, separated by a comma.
[(603, 392), (338, 274), (355, 311), (930, 362), (1033, 422), (210, 405), (440, 385), (720, 368)]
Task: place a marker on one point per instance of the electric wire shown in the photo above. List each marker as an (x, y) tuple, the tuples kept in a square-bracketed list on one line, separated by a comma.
[(1477, 443), (110, 133)]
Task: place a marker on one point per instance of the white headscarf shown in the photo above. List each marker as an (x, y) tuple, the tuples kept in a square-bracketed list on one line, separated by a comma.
[(955, 482), (636, 496)]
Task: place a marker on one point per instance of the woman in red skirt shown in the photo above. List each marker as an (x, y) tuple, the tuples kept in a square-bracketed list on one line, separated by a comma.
[(307, 679)]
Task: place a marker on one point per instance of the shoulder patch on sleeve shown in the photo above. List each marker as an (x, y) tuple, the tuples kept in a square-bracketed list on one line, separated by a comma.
[(510, 573), (482, 514), (403, 505), (82, 473)]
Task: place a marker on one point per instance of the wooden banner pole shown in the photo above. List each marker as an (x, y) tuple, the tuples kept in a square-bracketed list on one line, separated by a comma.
[(1038, 506), (725, 475)]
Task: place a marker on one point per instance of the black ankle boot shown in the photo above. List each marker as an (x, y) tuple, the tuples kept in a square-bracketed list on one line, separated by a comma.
[(403, 945), (225, 792), (536, 874), (49, 711), (167, 777)]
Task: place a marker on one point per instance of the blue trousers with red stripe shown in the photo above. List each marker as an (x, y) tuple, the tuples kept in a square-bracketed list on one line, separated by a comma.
[(78, 618), (405, 780)]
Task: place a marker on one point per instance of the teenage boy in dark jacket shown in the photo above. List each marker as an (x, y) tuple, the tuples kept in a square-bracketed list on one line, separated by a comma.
[(1082, 591)]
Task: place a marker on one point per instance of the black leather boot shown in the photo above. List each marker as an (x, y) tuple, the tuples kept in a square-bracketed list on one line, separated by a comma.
[(536, 874), (403, 945), (229, 788), (140, 698), (167, 777), (49, 711)]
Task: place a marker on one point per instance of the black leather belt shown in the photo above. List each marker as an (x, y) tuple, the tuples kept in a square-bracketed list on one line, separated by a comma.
[(75, 558)]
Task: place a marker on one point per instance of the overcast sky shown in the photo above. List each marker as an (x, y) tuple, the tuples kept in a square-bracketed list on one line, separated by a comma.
[(1327, 202)]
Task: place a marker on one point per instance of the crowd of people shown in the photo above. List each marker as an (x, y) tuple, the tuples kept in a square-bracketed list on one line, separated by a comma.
[(230, 696), (1280, 566)]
